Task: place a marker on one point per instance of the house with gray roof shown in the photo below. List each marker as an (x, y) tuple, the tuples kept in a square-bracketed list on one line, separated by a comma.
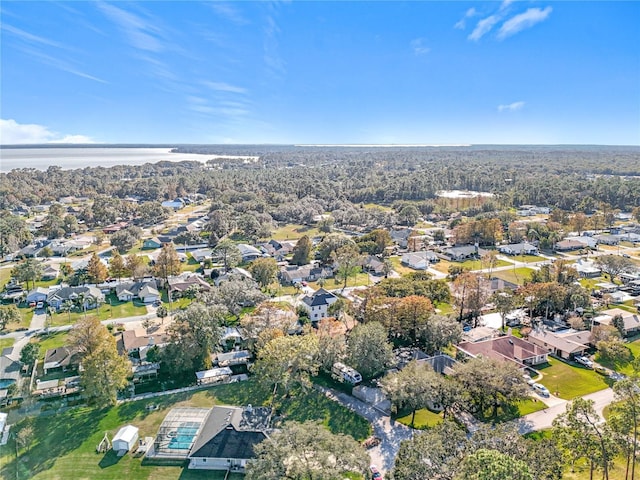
[(519, 249), (420, 260), (458, 254), (318, 304), (227, 438), (147, 291), (93, 296)]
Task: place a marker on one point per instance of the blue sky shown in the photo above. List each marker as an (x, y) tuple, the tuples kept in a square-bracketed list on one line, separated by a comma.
[(320, 72)]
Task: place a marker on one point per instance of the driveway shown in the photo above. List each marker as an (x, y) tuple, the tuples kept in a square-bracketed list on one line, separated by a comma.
[(544, 418), (392, 433)]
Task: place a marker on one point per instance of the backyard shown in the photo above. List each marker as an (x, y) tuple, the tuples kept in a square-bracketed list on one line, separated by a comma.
[(514, 275), (568, 382), (294, 232), (65, 446), (625, 368), (112, 309)]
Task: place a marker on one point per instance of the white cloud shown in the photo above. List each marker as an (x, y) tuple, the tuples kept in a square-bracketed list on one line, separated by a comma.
[(31, 38), (511, 107), (229, 12), (462, 24), (505, 4), (522, 21), (141, 33), (483, 27), (224, 87), (14, 133), (418, 46)]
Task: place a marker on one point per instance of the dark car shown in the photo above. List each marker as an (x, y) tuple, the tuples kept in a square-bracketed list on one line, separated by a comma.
[(375, 473)]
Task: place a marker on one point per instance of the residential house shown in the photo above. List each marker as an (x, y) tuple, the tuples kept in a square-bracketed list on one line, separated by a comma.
[(181, 283), (420, 260), (400, 236), (507, 349), (9, 368), (519, 249), (152, 243), (235, 357), (51, 272), (227, 438), (459, 254), (565, 344), (585, 240), (235, 272), (139, 341), (146, 290), (61, 359), (587, 269), (248, 252), (33, 250), (479, 334), (630, 320), (607, 239), (214, 375), (317, 304), (176, 204), (373, 265), (567, 245), (307, 273), (202, 254), (115, 227), (38, 294), (92, 296)]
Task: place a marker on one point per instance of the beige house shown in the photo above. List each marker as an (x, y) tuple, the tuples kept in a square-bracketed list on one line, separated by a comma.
[(630, 320), (563, 344)]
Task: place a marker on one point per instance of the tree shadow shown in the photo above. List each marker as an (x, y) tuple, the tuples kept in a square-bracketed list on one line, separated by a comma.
[(109, 459)]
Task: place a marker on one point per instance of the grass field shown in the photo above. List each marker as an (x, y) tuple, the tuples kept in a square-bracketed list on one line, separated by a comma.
[(6, 342), (570, 382), (5, 275), (25, 318), (399, 268), (64, 446), (424, 419), (294, 232), (50, 341), (624, 368), (517, 275), (106, 311)]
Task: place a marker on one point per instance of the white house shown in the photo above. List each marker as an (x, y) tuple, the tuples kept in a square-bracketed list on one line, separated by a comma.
[(125, 439), (318, 304), (519, 249), (419, 260)]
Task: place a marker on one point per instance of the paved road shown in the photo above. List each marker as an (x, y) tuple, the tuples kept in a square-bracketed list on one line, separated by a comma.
[(391, 433)]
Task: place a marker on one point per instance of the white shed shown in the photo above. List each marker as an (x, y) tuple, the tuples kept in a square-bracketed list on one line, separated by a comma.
[(125, 439)]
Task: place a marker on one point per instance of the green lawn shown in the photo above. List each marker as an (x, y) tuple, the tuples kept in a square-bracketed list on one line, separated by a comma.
[(64, 444), (398, 267), (5, 276), (116, 309), (527, 258), (425, 418), (25, 314), (517, 275), (624, 368), (570, 382), (477, 264), (6, 342), (294, 232), (50, 341)]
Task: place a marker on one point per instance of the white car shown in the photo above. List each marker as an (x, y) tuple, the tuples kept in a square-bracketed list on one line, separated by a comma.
[(584, 361), (540, 389)]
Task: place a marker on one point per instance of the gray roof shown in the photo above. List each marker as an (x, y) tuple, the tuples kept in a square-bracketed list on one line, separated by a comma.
[(231, 432), (136, 287), (319, 297), (9, 368)]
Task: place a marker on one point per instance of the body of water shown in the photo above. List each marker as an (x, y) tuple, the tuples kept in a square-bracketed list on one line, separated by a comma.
[(72, 158)]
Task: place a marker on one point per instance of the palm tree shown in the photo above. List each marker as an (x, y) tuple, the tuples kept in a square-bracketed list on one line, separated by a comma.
[(67, 305), (82, 299)]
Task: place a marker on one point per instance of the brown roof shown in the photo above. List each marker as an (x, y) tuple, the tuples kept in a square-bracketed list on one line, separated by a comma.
[(133, 339), (508, 348), (569, 342)]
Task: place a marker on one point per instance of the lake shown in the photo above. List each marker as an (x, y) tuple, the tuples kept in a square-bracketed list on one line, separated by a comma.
[(72, 158)]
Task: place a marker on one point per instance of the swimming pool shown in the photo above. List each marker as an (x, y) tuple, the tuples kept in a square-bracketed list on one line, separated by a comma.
[(6, 383), (183, 438)]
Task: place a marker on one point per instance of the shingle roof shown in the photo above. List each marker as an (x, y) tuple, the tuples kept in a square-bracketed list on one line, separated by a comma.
[(231, 432)]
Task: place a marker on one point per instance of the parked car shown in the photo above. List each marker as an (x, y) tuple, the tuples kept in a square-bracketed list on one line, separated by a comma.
[(602, 370), (584, 361), (540, 389), (40, 305), (375, 473), (616, 376)]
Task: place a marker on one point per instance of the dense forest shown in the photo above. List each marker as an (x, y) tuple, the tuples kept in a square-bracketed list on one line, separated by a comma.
[(579, 178)]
